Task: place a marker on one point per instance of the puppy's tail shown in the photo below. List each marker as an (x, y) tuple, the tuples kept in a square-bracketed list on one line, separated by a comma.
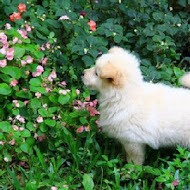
[(185, 80)]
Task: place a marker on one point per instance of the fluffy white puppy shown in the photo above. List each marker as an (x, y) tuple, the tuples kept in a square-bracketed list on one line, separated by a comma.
[(135, 112)]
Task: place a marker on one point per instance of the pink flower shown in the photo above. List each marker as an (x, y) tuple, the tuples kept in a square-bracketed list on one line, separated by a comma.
[(63, 92), (38, 94), (23, 62), (8, 26), (14, 82), (175, 183), (35, 135), (1, 143), (21, 119), (12, 142), (48, 89), (21, 7), (15, 127), (6, 159), (10, 53), (27, 72), (42, 48), (26, 102), (29, 59), (28, 28), (39, 119), (92, 25), (88, 98), (41, 138), (52, 76), (16, 16), (63, 83), (16, 103), (44, 61), (3, 51), (23, 33), (80, 129), (3, 63), (3, 38), (15, 40), (48, 45), (76, 108), (53, 188), (21, 129), (39, 71), (93, 111), (65, 17), (77, 91), (95, 102), (87, 129)]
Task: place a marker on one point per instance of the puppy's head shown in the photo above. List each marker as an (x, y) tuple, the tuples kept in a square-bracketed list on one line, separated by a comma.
[(112, 70)]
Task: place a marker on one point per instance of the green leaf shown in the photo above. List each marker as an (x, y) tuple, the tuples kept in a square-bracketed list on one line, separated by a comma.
[(53, 98), (38, 54), (19, 52), (5, 126), (64, 99), (14, 72), (38, 89), (88, 60), (35, 82), (43, 112), (50, 122), (83, 120), (51, 34), (35, 103), (24, 94), (117, 39), (25, 133), (43, 128), (87, 182), (25, 147), (5, 89), (40, 157)]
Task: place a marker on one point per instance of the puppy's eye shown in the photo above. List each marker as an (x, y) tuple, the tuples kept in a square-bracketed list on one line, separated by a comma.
[(96, 73)]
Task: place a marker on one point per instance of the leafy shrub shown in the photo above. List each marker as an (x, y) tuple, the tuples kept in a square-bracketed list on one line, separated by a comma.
[(48, 125)]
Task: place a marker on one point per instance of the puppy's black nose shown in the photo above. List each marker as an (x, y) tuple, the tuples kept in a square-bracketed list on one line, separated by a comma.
[(83, 73)]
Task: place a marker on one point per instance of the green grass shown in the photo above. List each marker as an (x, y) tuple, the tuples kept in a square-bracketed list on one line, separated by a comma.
[(93, 164)]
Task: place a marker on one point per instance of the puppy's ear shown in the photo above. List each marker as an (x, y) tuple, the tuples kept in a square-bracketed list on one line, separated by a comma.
[(113, 75), (116, 49)]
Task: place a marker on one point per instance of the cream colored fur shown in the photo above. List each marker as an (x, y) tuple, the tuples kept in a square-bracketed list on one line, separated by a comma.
[(135, 112)]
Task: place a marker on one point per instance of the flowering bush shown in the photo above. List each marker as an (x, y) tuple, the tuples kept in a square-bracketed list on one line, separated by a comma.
[(33, 100), (49, 135)]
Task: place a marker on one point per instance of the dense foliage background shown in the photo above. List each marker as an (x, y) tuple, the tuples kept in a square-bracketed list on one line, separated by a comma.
[(49, 133)]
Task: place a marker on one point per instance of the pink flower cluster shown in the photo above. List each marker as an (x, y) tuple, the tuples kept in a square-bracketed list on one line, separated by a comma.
[(81, 129), (39, 71), (52, 76), (5, 50), (14, 82), (90, 106), (44, 46), (28, 60)]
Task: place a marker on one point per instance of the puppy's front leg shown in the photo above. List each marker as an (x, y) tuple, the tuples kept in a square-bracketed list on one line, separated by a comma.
[(135, 152)]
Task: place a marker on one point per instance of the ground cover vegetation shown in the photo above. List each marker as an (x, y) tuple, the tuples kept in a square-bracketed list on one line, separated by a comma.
[(49, 132)]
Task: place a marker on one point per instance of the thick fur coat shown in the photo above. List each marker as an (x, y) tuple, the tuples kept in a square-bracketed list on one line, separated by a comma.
[(135, 112)]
